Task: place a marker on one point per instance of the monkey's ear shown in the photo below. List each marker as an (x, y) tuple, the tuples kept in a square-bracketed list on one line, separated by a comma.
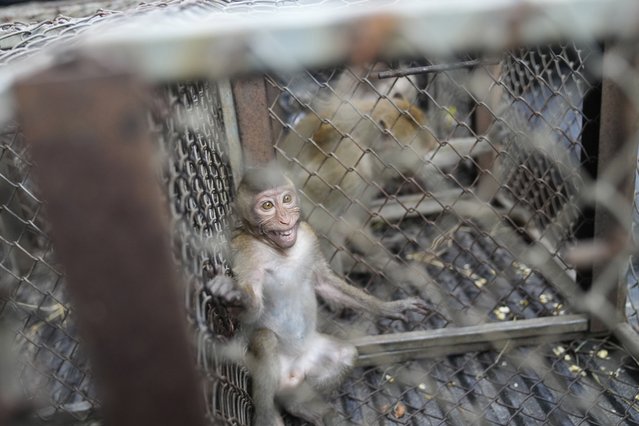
[(399, 96)]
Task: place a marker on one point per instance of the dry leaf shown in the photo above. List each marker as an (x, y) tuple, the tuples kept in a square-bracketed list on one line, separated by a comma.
[(400, 410)]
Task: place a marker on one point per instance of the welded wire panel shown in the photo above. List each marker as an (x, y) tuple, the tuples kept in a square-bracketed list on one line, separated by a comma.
[(190, 131), (47, 373)]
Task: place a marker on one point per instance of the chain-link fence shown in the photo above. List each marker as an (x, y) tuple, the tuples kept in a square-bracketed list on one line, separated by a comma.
[(412, 180), (479, 183)]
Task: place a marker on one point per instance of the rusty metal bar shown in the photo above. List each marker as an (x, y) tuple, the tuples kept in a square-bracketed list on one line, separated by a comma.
[(272, 95), (85, 126), (251, 106), (230, 127)]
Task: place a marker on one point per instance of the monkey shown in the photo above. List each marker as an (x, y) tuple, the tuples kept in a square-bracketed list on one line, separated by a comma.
[(279, 272), (341, 156)]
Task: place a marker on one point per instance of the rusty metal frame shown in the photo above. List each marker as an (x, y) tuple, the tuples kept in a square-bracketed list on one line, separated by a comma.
[(85, 126), (253, 122)]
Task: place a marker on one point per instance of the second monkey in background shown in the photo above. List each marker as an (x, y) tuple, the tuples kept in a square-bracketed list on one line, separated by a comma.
[(341, 154)]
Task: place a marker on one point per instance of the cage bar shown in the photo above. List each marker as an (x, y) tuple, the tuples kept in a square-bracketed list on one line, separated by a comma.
[(121, 279)]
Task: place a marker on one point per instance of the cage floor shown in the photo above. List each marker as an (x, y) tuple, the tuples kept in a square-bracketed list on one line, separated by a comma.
[(590, 381), (578, 382)]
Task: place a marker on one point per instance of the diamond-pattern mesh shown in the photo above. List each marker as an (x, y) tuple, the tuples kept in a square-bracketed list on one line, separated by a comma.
[(424, 216), (419, 217)]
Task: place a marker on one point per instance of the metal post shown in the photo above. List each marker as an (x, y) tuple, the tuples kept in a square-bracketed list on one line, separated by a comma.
[(85, 126), (254, 125)]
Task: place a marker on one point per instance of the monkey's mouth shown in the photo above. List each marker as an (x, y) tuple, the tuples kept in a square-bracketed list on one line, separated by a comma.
[(284, 234), (285, 238)]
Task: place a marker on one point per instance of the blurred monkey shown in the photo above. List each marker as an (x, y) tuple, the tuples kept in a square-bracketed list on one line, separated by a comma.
[(341, 155), (279, 269)]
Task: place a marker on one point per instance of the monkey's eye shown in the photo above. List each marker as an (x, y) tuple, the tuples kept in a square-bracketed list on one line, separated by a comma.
[(267, 205), (287, 198)]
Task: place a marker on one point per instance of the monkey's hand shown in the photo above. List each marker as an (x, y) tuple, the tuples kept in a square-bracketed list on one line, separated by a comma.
[(396, 309), (226, 289)]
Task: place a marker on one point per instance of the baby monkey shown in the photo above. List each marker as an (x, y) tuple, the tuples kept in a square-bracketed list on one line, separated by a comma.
[(279, 269)]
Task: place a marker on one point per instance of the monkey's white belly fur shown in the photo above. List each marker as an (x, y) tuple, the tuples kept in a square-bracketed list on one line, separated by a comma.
[(287, 293)]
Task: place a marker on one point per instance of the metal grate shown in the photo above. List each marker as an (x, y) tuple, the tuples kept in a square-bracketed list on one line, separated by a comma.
[(189, 128), (544, 91)]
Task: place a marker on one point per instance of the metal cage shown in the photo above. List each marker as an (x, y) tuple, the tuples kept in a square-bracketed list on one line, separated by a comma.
[(490, 178)]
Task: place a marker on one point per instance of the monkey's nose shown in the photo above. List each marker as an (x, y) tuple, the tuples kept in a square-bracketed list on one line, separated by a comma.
[(285, 219)]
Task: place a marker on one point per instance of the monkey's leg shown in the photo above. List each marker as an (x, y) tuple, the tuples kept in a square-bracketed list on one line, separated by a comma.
[(329, 363), (324, 365), (264, 364), (409, 276), (304, 402)]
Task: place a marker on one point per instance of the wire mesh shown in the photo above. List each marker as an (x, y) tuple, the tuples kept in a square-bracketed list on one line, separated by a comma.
[(51, 368), (416, 188), (546, 89), (408, 209), (571, 383), (52, 373), (535, 158), (189, 127)]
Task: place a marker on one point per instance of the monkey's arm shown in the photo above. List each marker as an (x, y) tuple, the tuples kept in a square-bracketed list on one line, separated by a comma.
[(249, 285), (237, 294), (246, 288), (333, 289)]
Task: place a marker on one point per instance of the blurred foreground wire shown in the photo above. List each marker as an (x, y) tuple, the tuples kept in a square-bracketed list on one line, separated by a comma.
[(506, 206)]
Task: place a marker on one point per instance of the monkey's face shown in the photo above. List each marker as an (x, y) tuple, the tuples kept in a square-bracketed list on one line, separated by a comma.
[(277, 214), (407, 140)]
